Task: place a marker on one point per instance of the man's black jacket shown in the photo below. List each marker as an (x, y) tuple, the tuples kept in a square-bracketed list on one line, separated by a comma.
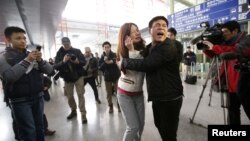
[(111, 72), (162, 71), (68, 71)]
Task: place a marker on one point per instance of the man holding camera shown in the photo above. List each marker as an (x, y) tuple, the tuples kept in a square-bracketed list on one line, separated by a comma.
[(69, 62), (23, 84), (232, 35), (111, 73)]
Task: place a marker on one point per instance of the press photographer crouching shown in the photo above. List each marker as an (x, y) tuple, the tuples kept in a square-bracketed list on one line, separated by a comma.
[(232, 35), (69, 62)]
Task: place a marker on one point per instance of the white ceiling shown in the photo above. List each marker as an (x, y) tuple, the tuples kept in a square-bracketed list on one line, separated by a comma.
[(88, 22)]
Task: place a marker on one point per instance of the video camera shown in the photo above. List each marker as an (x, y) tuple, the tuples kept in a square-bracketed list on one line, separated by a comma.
[(212, 34)]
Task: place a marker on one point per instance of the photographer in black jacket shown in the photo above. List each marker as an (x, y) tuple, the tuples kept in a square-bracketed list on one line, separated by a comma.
[(111, 73), (69, 62)]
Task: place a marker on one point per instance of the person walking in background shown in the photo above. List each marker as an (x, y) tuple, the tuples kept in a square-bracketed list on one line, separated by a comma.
[(91, 68), (69, 62), (129, 91), (189, 59), (172, 35), (111, 73), (164, 84), (99, 76)]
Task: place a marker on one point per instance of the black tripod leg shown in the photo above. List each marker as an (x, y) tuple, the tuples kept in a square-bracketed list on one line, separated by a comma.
[(210, 94), (202, 92)]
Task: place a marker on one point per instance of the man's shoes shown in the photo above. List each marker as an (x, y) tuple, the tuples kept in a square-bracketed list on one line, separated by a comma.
[(72, 114), (98, 101), (49, 132), (84, 119), (111, 110)]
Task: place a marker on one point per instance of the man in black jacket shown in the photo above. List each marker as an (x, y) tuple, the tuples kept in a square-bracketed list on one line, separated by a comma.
[(111, 73), (172, 35), (163, 78), (189, 59), (69, 62), (91, 68)]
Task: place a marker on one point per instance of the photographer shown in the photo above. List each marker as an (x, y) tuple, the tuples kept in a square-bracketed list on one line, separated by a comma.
[(232, 35), (111, 73), (21, 75), (69, 62)]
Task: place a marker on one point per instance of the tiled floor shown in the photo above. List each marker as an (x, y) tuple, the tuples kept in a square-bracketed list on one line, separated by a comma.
[(103, 126)]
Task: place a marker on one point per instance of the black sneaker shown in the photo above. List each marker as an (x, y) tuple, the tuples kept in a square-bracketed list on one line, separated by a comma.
[(72, 114), (84, 119), (49, 132)]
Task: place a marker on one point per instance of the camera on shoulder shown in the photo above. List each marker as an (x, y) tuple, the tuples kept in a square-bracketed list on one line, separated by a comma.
[(212, 34)]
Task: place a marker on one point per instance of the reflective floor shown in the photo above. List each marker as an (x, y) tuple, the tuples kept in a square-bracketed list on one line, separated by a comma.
[(103, 126)]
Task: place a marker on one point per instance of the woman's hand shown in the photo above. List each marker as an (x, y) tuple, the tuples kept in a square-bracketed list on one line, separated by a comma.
[(129, 43)]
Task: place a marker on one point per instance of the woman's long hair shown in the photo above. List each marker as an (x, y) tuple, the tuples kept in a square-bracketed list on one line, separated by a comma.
[(122, 50)]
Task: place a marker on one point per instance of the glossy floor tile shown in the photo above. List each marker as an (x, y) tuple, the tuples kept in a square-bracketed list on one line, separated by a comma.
[(103, 126)]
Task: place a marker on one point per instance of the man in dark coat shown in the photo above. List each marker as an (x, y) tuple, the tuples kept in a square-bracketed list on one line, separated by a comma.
[(111, 73)]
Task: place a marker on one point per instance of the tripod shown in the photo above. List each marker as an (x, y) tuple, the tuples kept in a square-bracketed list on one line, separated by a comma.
[(224, 98)]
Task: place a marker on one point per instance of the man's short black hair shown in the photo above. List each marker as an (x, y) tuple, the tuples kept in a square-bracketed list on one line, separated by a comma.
[(106, 43), (172, 30), (150, 24), (13, 29), (231, 26)]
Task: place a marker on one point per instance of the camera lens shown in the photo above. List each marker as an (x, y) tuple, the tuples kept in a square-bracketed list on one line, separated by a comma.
[(201, 46), (73, 57)]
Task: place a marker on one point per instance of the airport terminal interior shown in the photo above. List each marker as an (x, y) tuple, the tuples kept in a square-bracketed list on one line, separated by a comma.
[(88, 23)]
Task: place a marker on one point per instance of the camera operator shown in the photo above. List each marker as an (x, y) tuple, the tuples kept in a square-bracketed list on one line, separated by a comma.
[(232, 35), (69, 62), (243, 50)]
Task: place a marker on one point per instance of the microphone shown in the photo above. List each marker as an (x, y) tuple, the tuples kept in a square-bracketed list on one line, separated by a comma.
[(195, 40), (229, 56)]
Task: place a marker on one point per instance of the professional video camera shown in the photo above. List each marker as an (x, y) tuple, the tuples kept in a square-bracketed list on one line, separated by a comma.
[(212, 34)]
